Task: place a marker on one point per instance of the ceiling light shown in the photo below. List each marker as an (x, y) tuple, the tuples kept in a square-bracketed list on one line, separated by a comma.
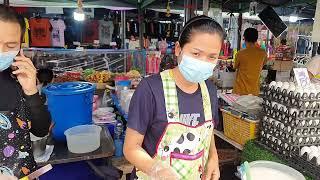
[(78, 14)]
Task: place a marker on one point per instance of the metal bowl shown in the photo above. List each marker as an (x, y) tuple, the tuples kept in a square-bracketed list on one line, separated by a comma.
[(38, 145)]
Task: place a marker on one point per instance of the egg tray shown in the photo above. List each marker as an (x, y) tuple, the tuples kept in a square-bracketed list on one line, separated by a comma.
[(278, 94), (297, 122), (287, 139), (307, 166), (303, 115), (302, 107), (294, 124), (279, 145), (293, 161), (288, 132)]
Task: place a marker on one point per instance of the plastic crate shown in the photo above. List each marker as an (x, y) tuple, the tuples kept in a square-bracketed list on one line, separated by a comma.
[(239, 129)]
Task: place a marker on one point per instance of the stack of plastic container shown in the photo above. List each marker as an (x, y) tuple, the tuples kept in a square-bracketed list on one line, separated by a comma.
[(292, 122)]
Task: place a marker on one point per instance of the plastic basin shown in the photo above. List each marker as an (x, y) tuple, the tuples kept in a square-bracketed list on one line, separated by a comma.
[(261, 170), (83, 138)]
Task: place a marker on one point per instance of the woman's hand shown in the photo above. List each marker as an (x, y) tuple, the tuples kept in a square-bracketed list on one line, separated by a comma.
[(159, 171), (5, 177), (212, 171), (26, 74)]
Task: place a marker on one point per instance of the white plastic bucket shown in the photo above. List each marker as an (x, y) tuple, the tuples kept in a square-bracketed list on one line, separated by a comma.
[(83, 138)]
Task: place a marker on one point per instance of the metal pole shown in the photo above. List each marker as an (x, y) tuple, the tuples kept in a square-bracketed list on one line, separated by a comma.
[(188, 10), (140, 20), (123, 27), (206, 7), (6, 3), (239, 30)]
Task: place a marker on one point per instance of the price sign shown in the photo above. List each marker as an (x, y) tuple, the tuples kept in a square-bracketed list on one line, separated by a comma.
[(302, 77)]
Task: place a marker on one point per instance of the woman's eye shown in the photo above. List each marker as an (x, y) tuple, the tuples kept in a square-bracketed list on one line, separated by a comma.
[(196, 54)]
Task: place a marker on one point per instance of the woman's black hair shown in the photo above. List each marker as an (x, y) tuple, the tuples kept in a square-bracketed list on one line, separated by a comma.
[(7, 14), (202, 24), (45, 76)]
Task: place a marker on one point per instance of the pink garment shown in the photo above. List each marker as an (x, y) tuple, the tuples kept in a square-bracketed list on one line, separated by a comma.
[(57, 35), (163, 45)]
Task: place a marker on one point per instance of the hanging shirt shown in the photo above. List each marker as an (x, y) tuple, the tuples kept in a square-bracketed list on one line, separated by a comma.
[(90, 31), (40, 32), (249, 63), (105, 32), (147, 112), (25, 42), (58, 28)]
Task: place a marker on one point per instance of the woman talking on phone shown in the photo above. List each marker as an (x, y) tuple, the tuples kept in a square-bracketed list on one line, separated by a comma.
[(172, 115), (21, 108)]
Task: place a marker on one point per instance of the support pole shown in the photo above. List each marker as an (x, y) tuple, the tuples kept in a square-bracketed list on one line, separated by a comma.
[(6, 3), (140, 20), (123, 29), (189, 8), (206, 7), (239, 30)]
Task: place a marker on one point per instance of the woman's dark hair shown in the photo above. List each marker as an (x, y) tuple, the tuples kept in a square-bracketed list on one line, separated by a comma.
[(202, 24), (251, 35), (9, 15), (45, 76)]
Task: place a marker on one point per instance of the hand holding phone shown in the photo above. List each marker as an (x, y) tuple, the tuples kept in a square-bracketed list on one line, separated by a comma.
[(26, 74)]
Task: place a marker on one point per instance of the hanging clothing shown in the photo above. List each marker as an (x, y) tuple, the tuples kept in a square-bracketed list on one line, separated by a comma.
[(163, 46), (58, 28), (90, 31), (159, 108), (25, 41), (249, 63), (105, 32), (19, 115), (40, 32)]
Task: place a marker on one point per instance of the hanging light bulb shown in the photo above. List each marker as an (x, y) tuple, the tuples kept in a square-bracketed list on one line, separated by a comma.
[(78, 14)]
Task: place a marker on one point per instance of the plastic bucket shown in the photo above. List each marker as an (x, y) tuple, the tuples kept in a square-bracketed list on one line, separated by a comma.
[(70, 104), (83, 138)]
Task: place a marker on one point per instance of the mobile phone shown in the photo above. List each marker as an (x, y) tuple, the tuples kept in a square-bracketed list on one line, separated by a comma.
[(14, 68)]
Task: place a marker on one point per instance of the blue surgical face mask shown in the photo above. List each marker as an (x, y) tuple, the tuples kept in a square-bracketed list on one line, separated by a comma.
[(194, 70), (6, 59)]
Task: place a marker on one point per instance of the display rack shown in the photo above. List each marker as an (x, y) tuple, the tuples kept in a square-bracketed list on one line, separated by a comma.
[(62, 60)]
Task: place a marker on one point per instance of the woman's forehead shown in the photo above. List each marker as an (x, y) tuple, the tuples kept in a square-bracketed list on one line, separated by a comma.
[(205, 42), (9, 32)]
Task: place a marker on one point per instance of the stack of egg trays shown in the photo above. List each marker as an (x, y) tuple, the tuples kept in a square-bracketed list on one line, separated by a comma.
[(297, 131), (299, 163), (275, 138), (290, 98)]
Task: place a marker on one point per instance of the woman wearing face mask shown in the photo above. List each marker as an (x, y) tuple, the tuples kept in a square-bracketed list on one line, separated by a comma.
[(21, 109), (172, 115)]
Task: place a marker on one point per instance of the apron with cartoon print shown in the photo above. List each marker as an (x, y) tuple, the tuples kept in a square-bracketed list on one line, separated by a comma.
[(184, 148), (16, 156)]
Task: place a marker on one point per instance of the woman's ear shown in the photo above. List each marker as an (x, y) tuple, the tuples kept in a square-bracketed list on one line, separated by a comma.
[(177, 49)]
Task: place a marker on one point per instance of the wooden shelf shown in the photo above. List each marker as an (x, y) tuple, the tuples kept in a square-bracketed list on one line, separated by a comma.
[(230, 141)]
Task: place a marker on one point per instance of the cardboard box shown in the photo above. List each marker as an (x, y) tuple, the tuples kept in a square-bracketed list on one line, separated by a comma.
[(282, 65)]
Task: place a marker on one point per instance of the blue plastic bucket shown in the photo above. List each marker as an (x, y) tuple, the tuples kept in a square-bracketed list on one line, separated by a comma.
[(70, 104)]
